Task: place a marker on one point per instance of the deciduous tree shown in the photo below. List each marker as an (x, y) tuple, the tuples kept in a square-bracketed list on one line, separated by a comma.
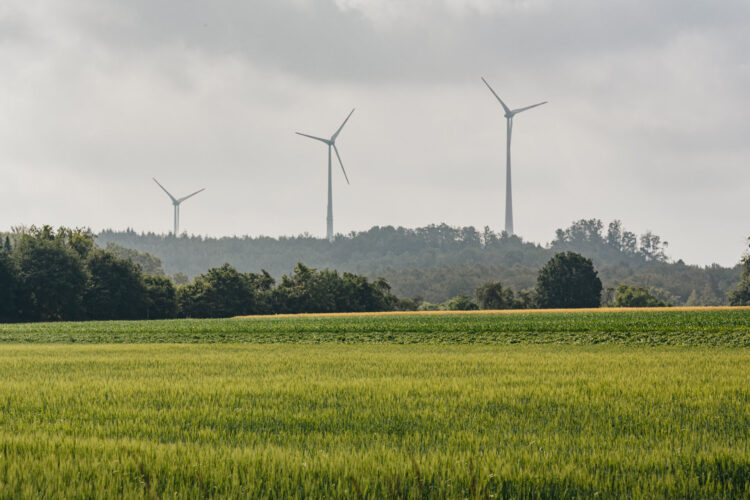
[(568, 280)]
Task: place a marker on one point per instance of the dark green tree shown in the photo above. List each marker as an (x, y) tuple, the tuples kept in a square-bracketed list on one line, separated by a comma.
[(161, 297), (262, 284), (492, 295), (8, 288), (305, 291), (115, 288), (308, 290), (221, 292), (740, 296), (568, 280), (52, 274)]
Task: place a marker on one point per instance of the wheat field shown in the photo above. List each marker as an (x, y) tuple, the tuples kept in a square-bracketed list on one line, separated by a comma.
[(369, 421)]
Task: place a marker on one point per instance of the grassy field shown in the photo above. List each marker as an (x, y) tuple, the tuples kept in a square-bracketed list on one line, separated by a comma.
[(387, 421), (728, 327), (548, 405)]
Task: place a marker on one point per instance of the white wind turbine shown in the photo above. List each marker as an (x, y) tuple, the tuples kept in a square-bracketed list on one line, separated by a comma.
[(331, 145), (509, 114), (176, 202)]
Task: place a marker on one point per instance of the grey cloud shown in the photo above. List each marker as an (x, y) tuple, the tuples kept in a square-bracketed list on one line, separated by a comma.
[(320, 40)]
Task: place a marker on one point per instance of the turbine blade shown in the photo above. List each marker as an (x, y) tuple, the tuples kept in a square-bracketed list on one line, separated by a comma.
[(165, 190), (506, 108), (341, 163), (190, 195), (313, 137), (516, 111), (333, 137)]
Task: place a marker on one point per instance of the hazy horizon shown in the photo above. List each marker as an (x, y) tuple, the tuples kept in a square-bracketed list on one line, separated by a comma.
[(646, 121)]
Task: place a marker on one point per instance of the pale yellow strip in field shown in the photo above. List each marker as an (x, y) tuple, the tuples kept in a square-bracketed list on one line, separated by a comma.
[(502, 311)]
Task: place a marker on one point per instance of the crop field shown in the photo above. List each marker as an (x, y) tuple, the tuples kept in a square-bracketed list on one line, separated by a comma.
[(728, 327), (551, 405)]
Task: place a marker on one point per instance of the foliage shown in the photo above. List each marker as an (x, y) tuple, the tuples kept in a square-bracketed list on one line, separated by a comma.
[(309, 290), (60, 275), (147, 263), (220, 293), (526, 299), (302, 421), (51, 273), (586, 237), (568, 280), (224, 291), (740, 296), (492, 295), (115, 288), (457, 303), (636, 296), (161, 297), (439, 262), (460, 303), (9, 287), (180, 278)]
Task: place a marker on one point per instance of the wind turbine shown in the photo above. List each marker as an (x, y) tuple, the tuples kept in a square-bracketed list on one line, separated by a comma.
[(176, 202), (509, 114), (331, 145)]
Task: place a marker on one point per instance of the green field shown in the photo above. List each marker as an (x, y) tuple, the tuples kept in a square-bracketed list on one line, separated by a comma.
[(730, 328), (398, 406)]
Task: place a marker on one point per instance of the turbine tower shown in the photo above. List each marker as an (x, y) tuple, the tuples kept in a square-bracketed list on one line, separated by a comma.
[(509, 114), (176, 202), (331, 145)]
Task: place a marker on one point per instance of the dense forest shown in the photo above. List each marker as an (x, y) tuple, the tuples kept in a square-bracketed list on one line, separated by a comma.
[(439, 262)]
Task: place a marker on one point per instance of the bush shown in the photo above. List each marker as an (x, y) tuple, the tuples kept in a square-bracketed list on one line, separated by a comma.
[(632, 296), (459, 303)]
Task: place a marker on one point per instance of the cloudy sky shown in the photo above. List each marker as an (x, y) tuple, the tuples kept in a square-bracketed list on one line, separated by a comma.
[(648, 115)]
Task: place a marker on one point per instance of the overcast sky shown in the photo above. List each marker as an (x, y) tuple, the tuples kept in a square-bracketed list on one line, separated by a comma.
[(648, 118)]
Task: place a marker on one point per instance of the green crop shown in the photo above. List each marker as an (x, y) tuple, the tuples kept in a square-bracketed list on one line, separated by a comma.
[(639, 404), (321, 421), (670, 327)]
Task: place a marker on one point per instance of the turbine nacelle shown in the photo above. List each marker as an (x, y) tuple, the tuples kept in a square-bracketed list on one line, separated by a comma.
[(520, 110), (331, 143), (510, 113)]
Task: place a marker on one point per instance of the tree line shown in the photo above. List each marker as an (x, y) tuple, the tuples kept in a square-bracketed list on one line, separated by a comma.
[(439, 262), (60, 275), (53, 275)]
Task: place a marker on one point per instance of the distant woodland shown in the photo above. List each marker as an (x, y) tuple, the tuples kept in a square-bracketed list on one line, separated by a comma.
[(439, 262)]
